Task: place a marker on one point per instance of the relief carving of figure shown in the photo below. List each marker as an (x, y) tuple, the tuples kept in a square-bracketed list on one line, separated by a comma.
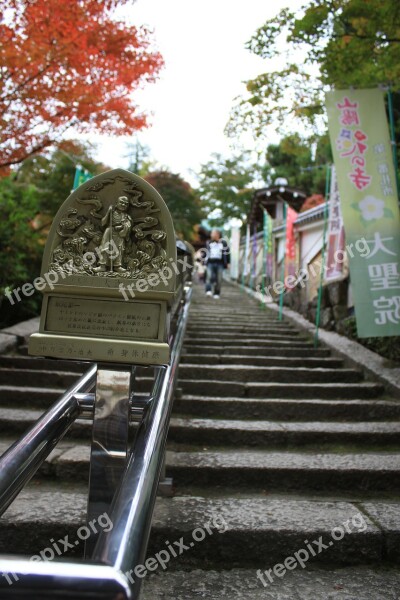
[(127, 240), (118, 227)]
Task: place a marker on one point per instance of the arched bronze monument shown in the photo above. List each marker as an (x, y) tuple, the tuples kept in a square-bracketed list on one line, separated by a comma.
[(108, 274)]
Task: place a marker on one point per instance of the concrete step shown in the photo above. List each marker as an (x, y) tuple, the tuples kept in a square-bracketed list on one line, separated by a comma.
[(237, 342), (223, 432), (16, 421), (262, 361), (312, 583), (37, 378), (247, 322), (269, 471), (287, 409), (328, 391), (257, 330), (259, 336), (287, 471), (251, 373), (36, 394), (269, 528), (254, 350), (45, 364)]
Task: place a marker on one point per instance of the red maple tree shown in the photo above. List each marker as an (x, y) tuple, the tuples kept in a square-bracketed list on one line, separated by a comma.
[(68, 63)]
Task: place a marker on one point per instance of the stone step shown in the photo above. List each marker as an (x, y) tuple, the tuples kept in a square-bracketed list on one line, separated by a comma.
[(39, 397), (287, 409), (243, 342), (251, 373), (16, 421), (260, 351), (36, 378), (212, 312), (273, 470), (329, 391), (312, 583), (36, 393), (249, 335), (45, 364), (216, 530), (264, 361), (257, 330), (287, 471), (223, 432), (232, 323)]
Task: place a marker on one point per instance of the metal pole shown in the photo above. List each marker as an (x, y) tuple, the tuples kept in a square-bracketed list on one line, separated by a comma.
[(393, 138)]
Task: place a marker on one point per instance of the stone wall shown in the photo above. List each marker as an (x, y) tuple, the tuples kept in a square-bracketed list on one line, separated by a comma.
[(334, 304)]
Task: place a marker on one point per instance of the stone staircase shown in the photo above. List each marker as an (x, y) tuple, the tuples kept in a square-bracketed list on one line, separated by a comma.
[(285, 464)]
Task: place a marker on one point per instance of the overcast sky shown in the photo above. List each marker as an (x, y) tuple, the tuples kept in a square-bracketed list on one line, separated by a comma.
[(205, 64)]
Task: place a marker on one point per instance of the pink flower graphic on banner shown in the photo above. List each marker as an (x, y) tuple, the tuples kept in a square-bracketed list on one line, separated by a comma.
[(372, 208)]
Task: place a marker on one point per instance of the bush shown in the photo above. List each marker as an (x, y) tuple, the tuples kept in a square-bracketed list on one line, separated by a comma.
[(20, 248)]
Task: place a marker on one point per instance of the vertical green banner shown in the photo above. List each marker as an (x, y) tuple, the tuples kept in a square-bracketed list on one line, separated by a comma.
[(368, 196), (81, 176), (268, 248)]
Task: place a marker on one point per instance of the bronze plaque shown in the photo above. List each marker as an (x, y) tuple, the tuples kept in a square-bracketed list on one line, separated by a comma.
[(102, 318)]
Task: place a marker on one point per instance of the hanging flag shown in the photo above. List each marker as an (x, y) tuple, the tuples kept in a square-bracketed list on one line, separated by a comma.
[(367, 185), (268, 247), (81, 176), (246, 265), (254, 255), (290, 248), (335, 252), (234, 251)]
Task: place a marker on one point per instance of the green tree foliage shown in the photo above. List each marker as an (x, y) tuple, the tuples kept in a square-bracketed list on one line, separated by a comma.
[(182, 201), (301, 163), (226, 187), (337, 43), (20, 248), (29, 199), (53, 176)]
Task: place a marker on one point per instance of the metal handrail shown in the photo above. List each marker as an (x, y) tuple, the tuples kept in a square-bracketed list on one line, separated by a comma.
[(119, 550), (20, 462), (124, 547)]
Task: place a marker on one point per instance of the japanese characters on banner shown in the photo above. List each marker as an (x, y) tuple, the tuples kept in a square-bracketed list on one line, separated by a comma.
[(367, 185), (290, 250), (335, 250)]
